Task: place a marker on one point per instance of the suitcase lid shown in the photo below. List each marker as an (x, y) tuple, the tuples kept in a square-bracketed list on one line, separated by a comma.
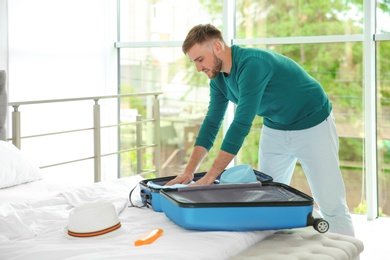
[(237, 195)]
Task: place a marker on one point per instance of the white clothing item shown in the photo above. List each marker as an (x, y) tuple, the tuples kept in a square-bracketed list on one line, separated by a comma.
[(316, 148)]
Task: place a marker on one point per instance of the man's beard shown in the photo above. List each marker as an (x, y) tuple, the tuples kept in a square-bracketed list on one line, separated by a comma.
[(217, 67)]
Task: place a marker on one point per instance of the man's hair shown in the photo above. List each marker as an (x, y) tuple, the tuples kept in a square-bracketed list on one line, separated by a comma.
[(200, 34)]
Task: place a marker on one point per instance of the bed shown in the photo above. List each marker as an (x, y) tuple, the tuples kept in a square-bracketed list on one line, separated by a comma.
[(35, 212)]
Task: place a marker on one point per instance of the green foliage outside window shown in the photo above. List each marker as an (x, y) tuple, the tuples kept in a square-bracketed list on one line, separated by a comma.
[(337, 66)]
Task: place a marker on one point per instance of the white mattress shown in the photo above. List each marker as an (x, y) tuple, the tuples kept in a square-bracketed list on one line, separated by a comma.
[(34, 230)]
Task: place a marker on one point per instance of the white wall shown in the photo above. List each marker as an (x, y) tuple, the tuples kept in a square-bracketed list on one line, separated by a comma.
[(3, 35), (59, 49), (4, 40)]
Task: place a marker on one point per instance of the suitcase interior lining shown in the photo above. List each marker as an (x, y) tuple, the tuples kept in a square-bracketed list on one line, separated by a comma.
[(253, 194)]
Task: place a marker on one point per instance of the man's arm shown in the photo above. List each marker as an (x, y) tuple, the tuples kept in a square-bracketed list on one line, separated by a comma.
[(197, 156), (221, 162)]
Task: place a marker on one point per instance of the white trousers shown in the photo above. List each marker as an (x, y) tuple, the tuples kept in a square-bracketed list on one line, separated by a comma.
[(316, 148)]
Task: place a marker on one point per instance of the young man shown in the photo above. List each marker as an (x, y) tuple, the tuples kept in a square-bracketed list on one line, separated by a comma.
[(298, 119)]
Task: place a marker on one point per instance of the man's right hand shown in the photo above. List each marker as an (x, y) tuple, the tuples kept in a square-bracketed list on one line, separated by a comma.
[(181, 179)]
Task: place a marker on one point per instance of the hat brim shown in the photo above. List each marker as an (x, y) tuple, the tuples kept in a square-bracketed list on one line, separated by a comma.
[(123, 230)]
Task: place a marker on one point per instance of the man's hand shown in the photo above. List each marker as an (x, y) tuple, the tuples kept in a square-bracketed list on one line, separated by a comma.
[(205, 180), (222, 160), (187, 175), (184, 179), (181, 179)]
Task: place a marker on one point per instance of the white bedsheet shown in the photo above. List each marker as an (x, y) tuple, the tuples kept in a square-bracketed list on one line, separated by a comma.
[(32, 190), (34, 230)]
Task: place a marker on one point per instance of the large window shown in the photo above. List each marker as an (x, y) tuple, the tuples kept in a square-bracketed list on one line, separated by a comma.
[(341, 76), (326, 37), (337, 66)]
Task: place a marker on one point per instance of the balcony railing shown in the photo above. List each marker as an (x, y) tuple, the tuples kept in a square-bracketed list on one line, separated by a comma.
[(96, 128)]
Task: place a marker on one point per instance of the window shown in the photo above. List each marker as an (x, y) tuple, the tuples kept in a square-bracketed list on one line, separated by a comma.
[(326, 38)]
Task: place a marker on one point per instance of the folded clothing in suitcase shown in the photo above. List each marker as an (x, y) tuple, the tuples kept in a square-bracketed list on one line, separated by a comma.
[(239, 207), (150, 194)]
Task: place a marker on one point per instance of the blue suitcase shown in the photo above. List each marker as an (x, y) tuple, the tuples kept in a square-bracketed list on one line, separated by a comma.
[(240, 207), (150, 195)]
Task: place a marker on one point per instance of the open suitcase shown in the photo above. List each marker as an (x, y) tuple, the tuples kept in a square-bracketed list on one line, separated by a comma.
[(239, 207), (263, 205), (151, 195)]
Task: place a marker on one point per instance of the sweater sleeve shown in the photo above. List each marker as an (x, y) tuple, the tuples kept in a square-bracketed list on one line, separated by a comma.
[(252, 79)]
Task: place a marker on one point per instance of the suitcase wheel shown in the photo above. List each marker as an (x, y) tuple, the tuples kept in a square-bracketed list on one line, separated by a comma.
[(321, 225)]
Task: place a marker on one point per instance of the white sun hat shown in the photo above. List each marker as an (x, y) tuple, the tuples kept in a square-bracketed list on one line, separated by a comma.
[(94, 220), (238, 174)]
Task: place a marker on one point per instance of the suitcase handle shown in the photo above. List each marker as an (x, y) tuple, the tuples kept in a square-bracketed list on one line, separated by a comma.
[(145, 199)]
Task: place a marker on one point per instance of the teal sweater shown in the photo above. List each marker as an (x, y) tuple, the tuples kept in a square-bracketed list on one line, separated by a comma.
[(266, 84)]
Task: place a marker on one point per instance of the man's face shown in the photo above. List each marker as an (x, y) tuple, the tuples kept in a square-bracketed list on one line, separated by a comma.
[(205, 59)]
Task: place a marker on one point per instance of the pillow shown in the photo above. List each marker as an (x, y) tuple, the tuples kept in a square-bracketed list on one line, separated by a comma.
[(14, 167)]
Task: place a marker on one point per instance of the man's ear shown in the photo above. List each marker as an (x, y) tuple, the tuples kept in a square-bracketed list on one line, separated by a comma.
[(218, 47)]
